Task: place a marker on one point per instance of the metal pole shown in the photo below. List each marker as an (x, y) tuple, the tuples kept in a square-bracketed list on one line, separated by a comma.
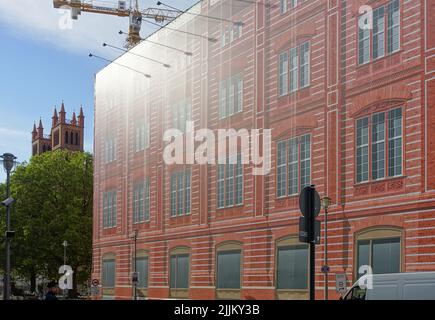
[(65, 244), (326, 253), (312, 271), (135, 264), (311, 232), (7, 278)]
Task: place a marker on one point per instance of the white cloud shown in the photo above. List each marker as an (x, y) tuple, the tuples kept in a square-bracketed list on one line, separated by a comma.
[(39, 21)]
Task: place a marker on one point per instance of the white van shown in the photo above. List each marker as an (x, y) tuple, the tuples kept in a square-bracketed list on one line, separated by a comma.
[(394, 286)]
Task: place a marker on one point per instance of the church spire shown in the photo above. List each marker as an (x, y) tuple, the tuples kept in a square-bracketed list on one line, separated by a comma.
[(40, 129), (81, 118), (34, 132), (74, 119), (62, 113), (55, 117)]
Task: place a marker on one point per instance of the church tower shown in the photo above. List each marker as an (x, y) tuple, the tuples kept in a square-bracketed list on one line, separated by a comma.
[(65, 134), (40, 142)]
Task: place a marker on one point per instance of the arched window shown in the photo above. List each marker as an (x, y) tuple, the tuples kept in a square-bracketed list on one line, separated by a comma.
[(292, 261), (378, 248), (228, 270), (179, 267), (66, 137), (77, 138), (72, 138)]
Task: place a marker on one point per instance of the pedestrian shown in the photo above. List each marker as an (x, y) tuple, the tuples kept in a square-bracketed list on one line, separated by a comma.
[(52, 290)]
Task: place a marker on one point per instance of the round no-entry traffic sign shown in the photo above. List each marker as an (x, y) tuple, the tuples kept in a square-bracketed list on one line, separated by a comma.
[(304, 200), (95, 282)]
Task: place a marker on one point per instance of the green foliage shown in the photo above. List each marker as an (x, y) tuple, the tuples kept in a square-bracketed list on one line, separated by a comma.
[(53, 195)]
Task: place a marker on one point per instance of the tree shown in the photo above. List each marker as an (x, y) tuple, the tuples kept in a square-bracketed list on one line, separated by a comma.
[(53, 195)]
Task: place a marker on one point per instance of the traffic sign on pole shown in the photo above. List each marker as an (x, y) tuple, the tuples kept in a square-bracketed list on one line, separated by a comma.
[(309, 227)]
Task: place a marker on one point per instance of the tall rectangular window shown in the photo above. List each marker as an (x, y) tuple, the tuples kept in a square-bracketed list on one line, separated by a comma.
[(385, 18), (294, 69), (395, 142), (108, 273), (142, 269), (239, 180), (283, 73), (293, 165), (298, 63), (181, 112), (230, 182), (230, 96), (393, 40), (179, 271), (292, 267), (142, 137), (378, 32), (221, 186), (138, 203), (229, 185), (141, 202), (173, 194), (378, 146), (228, 269), (222, 99), (109, 209), (305, 65), (281, 164), (180, 193), (362, 150), (283, 6), (305, 161), (384, 127), (187, 192), (110, 149), (363, 44)]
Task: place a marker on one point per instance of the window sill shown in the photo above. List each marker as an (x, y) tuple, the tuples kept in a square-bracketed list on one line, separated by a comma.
[(179, 293), (230, 207), (179, 216), (372, 62), (230, 294), (292, 294), (363, 183)]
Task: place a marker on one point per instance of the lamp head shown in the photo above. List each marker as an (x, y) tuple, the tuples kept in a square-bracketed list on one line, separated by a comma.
[(8, 161), (326, 202)]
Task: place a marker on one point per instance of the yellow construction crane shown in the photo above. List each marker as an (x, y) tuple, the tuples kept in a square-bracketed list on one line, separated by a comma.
[(121, 10)]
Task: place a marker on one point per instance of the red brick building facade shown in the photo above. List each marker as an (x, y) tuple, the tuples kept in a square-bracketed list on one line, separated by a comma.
[(350, 111)]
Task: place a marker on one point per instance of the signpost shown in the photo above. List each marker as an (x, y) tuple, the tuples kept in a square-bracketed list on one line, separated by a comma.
[(340, 283), (309, 228), (95, 288)]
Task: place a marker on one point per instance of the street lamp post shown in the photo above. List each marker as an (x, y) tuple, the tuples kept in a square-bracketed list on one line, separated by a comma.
[(65, 244), (135, 264), (326, 202), (8, 164)]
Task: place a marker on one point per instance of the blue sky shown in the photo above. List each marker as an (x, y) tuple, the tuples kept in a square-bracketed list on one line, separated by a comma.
[(42, 63)]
